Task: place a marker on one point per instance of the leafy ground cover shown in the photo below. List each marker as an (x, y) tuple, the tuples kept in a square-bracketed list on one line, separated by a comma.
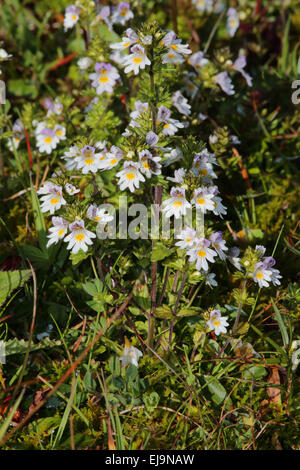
[(183, 341)]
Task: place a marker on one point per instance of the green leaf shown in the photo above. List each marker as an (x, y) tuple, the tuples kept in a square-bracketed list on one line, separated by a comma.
[(160, 252), (78, 257), (163, 312), (282, 327), (11, 280), (187, 312), (254, 372), (216, 389)]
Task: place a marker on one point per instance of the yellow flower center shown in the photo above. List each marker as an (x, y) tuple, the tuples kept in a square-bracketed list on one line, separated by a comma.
[(259, 275), (166, 125), (74, 17), (59, 133), (97, 218), (54, 200), (103, 79), (89, 161), (201, 200), (171, 56), (126, 44), (173, 46), (188, 240), (146, 165), (130, 176), (217, 323), (61, 231), (79, 237), (177, 203), (137, 60), (123, 12), (201, 253), (113, 161), (203, 172), (48, 140)]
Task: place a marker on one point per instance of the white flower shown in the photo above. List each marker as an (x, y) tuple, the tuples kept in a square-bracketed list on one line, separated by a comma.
[(71, 16), (130, 177), (58, 231), (53, 199), (187, 238), (217, 323), (239, 65), (122, 13), (149, 165), (14, 142), (179, 176), (177, 204), (104, 78), (171, 126), (203, 166), (176, 49), (70, 157), (110, 159), (172, 156), (98, 215), (201, 253), (79, 238), (197, 60), (181, 103), (4, 55), (233, 257), (127, 41), (233, 21), (130, 354), (46, 140), (261, 275), (203, 5), (219, 244), (224, 81), (60, 132), (70, 189), (84, 63), (210, 280), (87, 161), (136, 60), (203, 200)]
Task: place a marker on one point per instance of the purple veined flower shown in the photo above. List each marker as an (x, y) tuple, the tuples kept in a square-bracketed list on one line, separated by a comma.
[(104, 78), (179, 176), (176, 49), (233, 21), (177, 204), (130, 177), (129, 40), (262, 275), (79, 238), (239, 65), (103, 14), (197, 60), (88, 160), (58, 231), (122, 13), (98, 215), (47, 140), (225, 83), (217, 323), (186, 238), (131, 355), (136, 60), (233, 257), (151, 139), (181, 103), (149, 165), (71, 189), (53, 199), (163, 114), (201, 254), (71, 16), (219, 244), (203, 200)]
